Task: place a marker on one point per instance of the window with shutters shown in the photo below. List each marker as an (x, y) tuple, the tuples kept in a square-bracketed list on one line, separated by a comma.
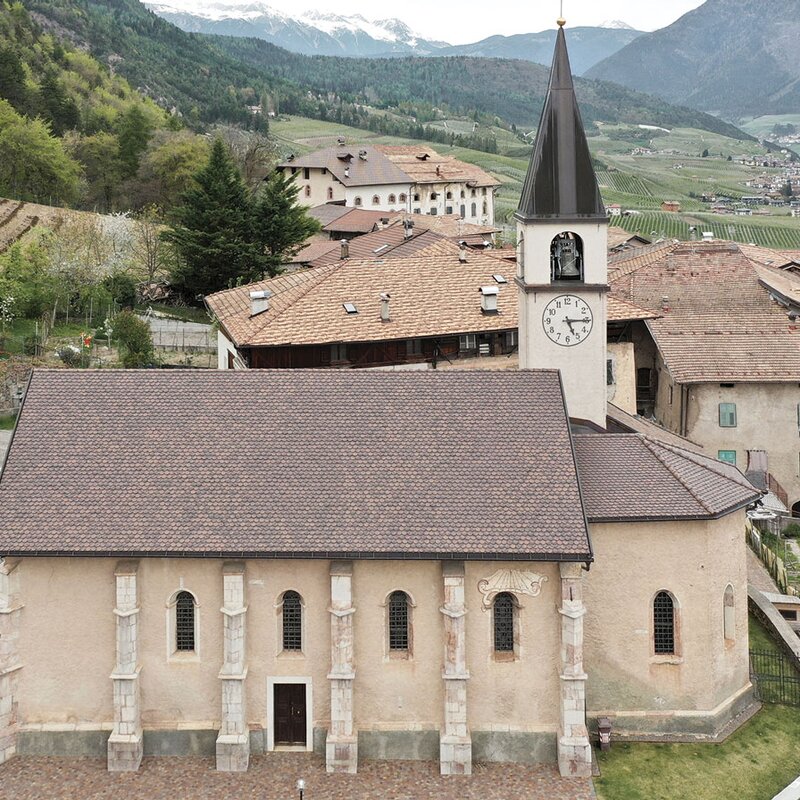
[(292, 621), (727, 415), (399, 624), (184, 622), (664, 638)]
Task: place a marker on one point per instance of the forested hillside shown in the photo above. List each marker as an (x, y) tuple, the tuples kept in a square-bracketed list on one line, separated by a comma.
[(212, 78)]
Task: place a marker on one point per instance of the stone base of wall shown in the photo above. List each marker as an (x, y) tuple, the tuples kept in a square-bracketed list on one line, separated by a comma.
[(514, 746), (455, 755), (575, 754), (671, 727), (399, 745), (125, 752), (233, 753), (341, 754)]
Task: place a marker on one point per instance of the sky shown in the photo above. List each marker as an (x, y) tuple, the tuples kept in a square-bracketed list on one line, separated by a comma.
[(463, 21)]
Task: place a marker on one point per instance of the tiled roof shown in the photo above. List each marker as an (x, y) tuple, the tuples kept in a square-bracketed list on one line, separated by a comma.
[(314, 250), (432, 294), (720, 323), (372, 170), (328, 212), (619, 421), (621, 311), (630, 477), (619, 236), (321, 463), (420, 163), (360, 220), (385, 243), (450, 225)]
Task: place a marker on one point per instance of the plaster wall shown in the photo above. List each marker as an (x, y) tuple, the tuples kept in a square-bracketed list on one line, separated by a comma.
[(622, 392), (481, 197), (318, 183), (225, 348), (366, 194), (695, 561), (766, 419)]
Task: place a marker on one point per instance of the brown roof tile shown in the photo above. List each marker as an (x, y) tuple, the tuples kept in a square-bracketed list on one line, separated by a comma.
[(421, 169), (299, 463), (433, 294), (630, 477), (372, 170)]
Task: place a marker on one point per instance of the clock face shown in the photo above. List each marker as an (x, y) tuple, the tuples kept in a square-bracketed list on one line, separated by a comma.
[(567, 320)]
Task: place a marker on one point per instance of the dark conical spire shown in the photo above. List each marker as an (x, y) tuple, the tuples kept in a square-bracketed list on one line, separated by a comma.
[(561, 182)]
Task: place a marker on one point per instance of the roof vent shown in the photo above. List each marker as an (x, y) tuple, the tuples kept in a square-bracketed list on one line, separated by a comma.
[(259, 302), (708, 236), (362, 154), (340, 141), (385, 315), (438, 170), (665, 303), (489, 299), (345, 249), (408, 229), (423, 156), (462, 253), (290, 157), (347, 172)]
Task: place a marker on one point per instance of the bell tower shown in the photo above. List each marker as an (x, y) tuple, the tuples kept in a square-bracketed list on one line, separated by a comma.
[(562, 247)]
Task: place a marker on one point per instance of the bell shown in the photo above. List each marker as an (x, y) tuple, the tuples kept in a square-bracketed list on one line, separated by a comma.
[(568, 261)]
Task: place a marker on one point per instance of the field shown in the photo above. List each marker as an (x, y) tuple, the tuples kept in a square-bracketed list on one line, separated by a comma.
[(676, 172), (761, 126)]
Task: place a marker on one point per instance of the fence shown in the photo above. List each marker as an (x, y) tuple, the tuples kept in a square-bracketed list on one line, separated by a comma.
[(774, 563), (775, 678)]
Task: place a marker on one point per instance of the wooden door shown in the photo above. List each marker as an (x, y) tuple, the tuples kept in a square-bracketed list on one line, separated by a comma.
[(290, 713)]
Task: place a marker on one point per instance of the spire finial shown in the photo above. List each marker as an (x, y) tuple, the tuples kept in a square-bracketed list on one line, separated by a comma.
[(561, 21)]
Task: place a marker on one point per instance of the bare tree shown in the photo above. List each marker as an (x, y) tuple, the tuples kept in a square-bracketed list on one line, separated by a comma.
[(254, 153)]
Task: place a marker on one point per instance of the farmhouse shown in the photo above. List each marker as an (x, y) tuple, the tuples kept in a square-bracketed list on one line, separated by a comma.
[(452, 565)]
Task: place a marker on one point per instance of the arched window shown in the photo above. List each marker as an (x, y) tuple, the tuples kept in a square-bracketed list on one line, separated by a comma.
[(503, 607), (664, 624), (474, 209), (392, 199), (449, 195), (729, 614), (330, 193), (376, 201), (292, 621), (399, 638), (463, 194), (566, 257), (308, 191), (403, 198), (485, 208), (184, 622), (357, 201)]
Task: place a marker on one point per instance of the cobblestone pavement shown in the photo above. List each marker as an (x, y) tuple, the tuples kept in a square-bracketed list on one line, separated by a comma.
[(274, 777)]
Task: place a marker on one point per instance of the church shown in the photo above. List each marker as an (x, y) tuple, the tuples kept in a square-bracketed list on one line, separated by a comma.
[(461, 566)]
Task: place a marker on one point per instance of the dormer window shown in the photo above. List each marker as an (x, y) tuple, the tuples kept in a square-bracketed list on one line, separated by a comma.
[(566, 257)]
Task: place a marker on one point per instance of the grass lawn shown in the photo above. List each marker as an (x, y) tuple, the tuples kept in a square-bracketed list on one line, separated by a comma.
[(7, 422), (755, 763)]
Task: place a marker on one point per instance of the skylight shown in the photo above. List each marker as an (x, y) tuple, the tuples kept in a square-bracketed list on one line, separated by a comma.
[(350, 308), (499, 279)]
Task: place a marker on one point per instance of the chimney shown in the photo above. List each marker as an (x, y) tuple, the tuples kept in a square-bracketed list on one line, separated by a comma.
[(385, 314), (665, 303), (362, 154), (347, 172), (462, 253), (408, 226), (345, 252), (489, 299), (259, 302)]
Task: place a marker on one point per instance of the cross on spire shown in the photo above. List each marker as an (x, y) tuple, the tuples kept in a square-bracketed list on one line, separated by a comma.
[(561, 21)]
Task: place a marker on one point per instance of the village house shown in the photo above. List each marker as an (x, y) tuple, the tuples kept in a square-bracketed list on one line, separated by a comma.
[(415, 179), (721, 362), (458, 565)]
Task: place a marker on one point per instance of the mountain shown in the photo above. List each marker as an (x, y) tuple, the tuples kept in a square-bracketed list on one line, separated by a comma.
[(310, 33), (587, 46), (734, 58), (211, 78)]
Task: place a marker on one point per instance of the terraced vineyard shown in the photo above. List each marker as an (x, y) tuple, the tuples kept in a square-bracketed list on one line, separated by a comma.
[(624, 183), (17, 219), (771, 232)]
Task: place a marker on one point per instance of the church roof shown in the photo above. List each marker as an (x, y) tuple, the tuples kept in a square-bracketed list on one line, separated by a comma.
[(318, 463), (561, 182), (631, 477)]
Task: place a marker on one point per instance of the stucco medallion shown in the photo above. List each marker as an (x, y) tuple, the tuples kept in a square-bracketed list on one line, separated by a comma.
[(510, 580)]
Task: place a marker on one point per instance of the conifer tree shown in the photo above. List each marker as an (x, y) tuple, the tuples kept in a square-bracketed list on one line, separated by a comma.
[(134, 132), (281, 224), (212, 230)]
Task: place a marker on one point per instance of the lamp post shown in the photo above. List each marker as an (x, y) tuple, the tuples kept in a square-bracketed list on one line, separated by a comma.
[(301, 787)]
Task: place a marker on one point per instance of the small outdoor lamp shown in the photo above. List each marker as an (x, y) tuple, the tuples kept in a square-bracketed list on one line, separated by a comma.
[(604, 729), (301, 787)]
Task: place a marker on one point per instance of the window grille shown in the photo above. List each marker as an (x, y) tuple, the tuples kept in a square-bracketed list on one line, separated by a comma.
[(184, 622), (292, 622), (504, 623), (663, 624), (398, 621)]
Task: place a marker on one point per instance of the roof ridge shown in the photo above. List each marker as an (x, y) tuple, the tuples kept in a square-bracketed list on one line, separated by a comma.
[(650, 444)]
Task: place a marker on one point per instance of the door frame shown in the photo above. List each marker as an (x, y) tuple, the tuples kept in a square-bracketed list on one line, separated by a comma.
[(270, 726)]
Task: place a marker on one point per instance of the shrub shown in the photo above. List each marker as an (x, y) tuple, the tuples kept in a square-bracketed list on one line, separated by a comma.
[(792, 530), (133, 335)]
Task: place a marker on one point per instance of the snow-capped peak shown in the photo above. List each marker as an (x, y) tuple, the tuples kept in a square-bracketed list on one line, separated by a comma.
[(617, 25)]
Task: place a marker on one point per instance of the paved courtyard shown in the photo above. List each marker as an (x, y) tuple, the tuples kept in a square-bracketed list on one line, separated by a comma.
[(273, 777)]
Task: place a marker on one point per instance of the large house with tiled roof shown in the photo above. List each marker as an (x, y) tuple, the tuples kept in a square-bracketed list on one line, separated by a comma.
[(415, 179), (720, 361), (458, 566)]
